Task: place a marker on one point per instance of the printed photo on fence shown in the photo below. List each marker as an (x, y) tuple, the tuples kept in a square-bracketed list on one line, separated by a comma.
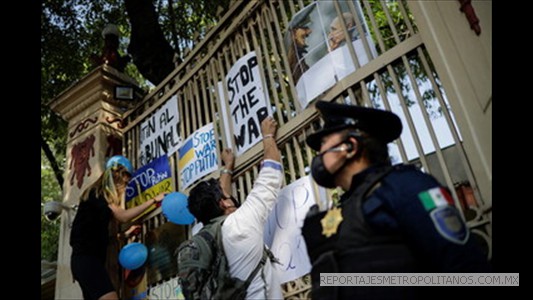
[(283, 229), (159, 134), (316, 46), (198, 156), (248, 102), (147, 182)]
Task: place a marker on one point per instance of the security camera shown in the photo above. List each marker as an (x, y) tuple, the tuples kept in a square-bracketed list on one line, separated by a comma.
[(52, 209)]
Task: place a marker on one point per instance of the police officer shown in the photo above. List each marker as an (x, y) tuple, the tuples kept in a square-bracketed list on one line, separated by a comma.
[(391, 219)]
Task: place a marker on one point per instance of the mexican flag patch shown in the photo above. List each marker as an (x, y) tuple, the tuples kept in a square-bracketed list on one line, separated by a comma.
[(435, 197), (446, 218)]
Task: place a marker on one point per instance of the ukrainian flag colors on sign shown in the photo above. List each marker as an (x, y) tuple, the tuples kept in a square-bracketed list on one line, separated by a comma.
[(198, 156), (147, 182), (186, 153)]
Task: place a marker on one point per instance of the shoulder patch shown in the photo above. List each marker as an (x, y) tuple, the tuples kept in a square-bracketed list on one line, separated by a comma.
[(450, 225), (435, 198)]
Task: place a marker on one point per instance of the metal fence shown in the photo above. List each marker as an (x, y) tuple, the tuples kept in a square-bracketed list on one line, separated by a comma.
[(397, 74)]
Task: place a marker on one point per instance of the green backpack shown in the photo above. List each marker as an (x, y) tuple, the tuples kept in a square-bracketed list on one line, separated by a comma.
[(203, 268)]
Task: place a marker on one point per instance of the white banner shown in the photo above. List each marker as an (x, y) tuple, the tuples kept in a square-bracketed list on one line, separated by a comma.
[(283, 229), (247, 100), (198, 155), (170, 289), (159, 133)]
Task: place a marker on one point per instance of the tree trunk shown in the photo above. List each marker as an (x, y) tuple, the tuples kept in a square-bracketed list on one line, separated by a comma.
[(151, 52), (53, 162)]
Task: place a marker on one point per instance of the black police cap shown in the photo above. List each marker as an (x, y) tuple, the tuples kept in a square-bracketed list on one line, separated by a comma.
[(380, 124)]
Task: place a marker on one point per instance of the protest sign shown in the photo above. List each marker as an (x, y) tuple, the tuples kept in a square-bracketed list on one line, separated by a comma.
[(198, 156), (147, 182), (283, 229), (248, 102), (159, 132)]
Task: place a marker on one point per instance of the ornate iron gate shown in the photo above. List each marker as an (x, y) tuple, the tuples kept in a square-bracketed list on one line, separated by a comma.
[(390, 69)]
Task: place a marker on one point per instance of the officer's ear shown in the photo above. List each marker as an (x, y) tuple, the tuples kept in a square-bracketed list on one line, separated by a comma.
[(351, 146)]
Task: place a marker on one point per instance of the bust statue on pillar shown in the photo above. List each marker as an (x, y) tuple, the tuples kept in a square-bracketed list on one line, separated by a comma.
[(110, 55)]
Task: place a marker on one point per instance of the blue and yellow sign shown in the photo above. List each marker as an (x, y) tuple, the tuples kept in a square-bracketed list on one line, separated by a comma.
[(149, 181)]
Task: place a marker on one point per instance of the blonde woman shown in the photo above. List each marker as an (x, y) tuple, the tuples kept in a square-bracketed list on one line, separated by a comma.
[(89, 236)]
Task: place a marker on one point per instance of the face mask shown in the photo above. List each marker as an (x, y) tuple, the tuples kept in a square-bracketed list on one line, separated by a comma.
[(319, 172)]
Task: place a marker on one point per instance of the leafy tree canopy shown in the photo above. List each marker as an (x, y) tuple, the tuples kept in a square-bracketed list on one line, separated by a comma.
[(71, 31)]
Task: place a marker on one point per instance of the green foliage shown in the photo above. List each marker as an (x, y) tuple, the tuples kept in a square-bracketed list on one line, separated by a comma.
[(70, 34), (400, 23), (50, 191)]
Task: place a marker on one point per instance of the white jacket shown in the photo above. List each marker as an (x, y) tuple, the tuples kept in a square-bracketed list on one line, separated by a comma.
[(242, 234)]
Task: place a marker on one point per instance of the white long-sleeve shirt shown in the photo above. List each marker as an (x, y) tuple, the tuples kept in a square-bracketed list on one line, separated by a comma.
[(242, 234)]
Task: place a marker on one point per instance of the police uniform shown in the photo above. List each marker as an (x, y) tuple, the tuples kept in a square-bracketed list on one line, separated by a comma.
[(394, 219)]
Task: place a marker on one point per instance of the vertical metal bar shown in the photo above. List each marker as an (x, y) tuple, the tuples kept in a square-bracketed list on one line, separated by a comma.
[(283, 13), (390, 21), (290, 162), (204, 96), (197, 111), (299, 158), (221, 73), (194, 111), (451, 125), (408, 117), (385, 99), (270, 74), (291, 7), (284, 59), (186, 121), (405, 16), (431, 131), (248, 182), (360, 29), (375, 27), (241, 189), (353, 55), (347, 36), (276, 58)]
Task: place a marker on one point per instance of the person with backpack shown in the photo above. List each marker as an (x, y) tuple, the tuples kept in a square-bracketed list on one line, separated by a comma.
[(227, 258)]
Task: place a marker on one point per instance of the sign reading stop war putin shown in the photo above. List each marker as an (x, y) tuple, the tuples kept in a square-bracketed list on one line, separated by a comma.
[(147, 182), (159, 133), (198, 155), (247, 102)]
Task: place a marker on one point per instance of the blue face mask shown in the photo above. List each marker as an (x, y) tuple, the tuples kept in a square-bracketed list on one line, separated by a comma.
[(320, 173)]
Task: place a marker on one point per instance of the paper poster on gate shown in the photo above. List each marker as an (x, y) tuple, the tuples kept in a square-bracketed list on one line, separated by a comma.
[(283, 229), (197, 156), (159, 133), (147, 182), (248, 102), (317, 46)]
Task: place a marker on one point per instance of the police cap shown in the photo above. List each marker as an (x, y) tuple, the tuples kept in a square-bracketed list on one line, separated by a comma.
[(380, 124)]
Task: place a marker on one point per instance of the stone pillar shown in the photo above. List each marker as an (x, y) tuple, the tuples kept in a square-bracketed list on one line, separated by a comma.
[(94, 134)]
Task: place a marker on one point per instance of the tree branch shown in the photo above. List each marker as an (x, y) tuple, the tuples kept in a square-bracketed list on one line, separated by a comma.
[(53, 162)]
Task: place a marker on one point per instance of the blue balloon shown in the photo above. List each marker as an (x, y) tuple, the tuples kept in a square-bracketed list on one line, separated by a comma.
[(133, 256), (175, 209)]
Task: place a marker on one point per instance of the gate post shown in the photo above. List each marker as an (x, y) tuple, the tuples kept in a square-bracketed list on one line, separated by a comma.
[(93, 111)]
